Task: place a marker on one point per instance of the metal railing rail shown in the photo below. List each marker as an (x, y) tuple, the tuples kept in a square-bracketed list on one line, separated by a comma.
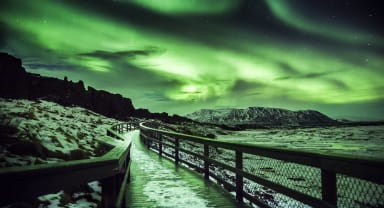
[(25, 183), (334, 174)]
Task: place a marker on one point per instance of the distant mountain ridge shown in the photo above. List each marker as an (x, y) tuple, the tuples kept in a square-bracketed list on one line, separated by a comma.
[(261, 116)]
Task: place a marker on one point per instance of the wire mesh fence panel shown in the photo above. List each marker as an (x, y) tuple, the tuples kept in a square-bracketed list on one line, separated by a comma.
[(169, 151), (225, 175), (169, 141), (354, 192), (222, 155), (192, 158), (227, 157), (302, 178), (192, 146), (269, 196), (154, 144)]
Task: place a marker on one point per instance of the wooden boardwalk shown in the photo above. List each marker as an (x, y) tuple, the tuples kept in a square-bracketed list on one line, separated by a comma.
[(158, 182)]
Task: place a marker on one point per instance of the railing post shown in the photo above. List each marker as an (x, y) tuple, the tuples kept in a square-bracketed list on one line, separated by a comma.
[(206, 163), (329, 186), (177, 150), (239, 177), (149, 140), (160, 144), (109, 191)]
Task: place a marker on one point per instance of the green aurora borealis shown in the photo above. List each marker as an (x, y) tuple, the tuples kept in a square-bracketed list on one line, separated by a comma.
[(179, 56)]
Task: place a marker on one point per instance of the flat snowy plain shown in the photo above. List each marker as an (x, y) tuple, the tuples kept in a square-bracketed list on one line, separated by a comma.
[(364, 141)]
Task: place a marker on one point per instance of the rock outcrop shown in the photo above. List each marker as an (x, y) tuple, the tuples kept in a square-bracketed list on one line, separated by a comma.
[(16, 83)]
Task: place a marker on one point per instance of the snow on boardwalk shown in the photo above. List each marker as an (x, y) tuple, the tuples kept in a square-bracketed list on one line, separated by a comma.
[(158, 182)]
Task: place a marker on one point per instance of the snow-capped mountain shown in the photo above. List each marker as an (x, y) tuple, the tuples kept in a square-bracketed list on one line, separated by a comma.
[(261, 116)]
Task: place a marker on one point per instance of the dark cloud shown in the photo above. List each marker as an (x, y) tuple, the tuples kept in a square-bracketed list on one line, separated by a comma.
[(191, 93), (53, 67), (284, 78), (314, 75), (310, 75), (132, 54), (339, 84), (136, 15), (243, 86), (157, 96), (293, 73), (248, 89), (252, 94), (287, 68), (170, 83)]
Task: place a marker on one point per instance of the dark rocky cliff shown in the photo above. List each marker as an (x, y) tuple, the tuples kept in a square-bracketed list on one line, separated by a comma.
[(16, 83)]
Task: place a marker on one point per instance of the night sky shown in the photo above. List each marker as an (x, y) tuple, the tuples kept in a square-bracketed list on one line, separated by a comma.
[(179, 56)]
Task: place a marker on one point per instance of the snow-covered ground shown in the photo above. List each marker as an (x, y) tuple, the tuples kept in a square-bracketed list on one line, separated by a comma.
[(365, 141), (88, 196), (39, 131)]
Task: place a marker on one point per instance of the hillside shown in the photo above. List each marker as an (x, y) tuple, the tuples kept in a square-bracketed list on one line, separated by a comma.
[(261, 116), (39, 131)]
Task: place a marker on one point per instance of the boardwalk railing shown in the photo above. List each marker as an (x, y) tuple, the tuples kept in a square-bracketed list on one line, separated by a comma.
[(25, 183), (273, 177)]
